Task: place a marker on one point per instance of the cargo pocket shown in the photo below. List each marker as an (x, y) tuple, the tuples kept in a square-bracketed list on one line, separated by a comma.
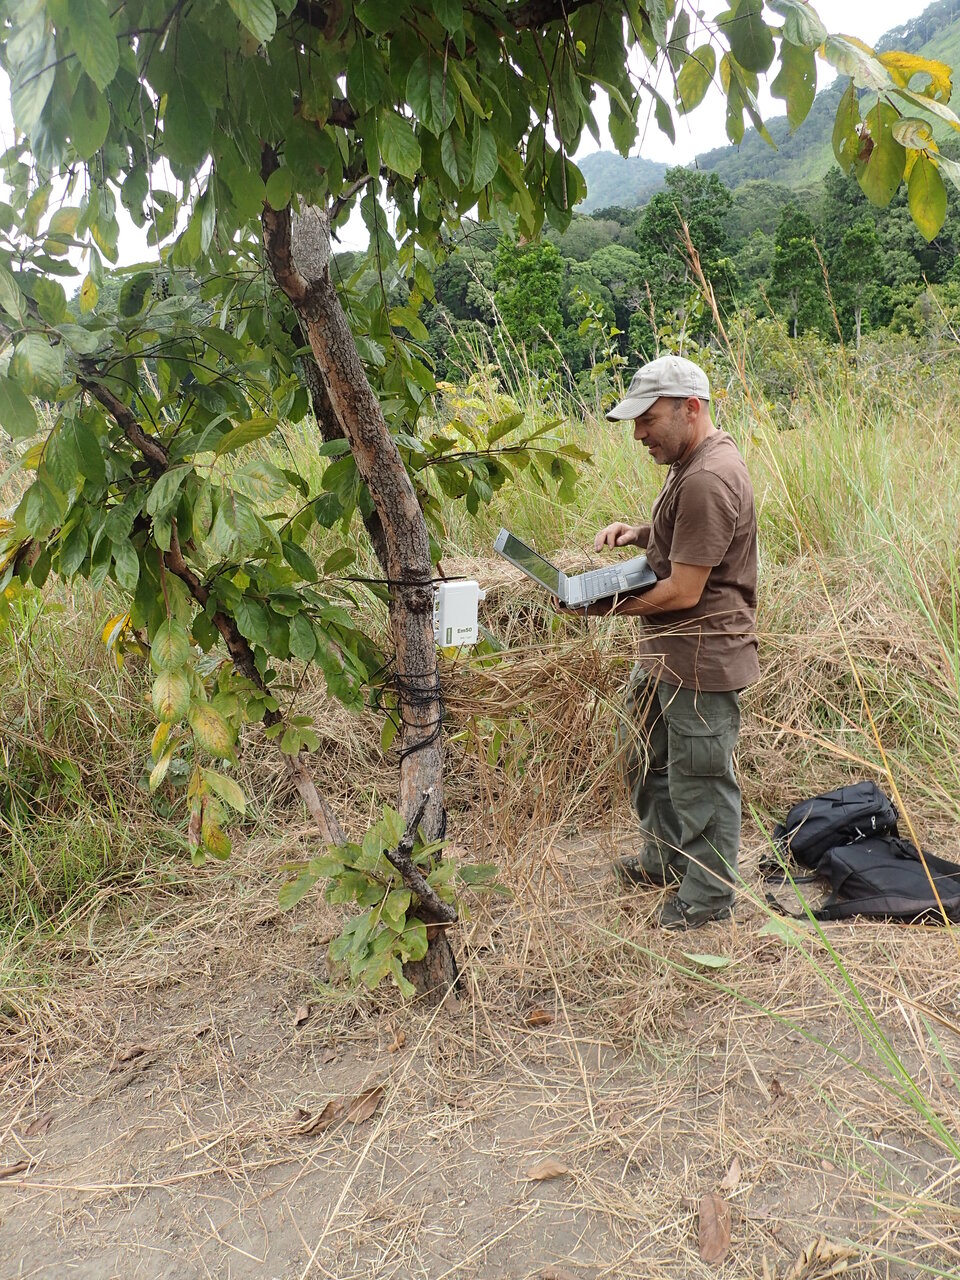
[(700, 750)]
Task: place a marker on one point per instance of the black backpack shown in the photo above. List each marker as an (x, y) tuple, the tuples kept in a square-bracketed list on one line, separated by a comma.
[(838, 817), (884, 877), (849, 836)]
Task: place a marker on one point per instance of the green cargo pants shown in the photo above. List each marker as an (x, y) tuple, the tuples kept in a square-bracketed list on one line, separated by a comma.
[(676, 747)]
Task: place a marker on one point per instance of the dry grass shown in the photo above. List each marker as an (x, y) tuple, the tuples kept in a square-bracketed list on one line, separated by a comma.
[(181, 1034)]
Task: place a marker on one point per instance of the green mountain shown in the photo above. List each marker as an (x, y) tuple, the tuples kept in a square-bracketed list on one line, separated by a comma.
[(800, 157)]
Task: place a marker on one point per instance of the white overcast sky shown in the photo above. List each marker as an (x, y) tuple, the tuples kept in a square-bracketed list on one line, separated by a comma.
[(700, 131)]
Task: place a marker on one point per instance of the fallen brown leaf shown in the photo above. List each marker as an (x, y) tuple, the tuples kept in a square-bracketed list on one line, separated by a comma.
[(777, 1091), (364, 1105), (731, 1179), (399, 1040), (714, 1228), (328, 1056), (301, 1015), (39, 1126), (331, 1113), (127, 1055), (538, 1018), (547, 1169), (9, 1170)]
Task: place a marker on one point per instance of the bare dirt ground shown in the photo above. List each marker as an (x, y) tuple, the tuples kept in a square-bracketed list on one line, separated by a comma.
[(185, 1094)]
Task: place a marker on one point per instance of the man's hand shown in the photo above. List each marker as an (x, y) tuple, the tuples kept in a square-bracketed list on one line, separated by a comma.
[(617, 535)]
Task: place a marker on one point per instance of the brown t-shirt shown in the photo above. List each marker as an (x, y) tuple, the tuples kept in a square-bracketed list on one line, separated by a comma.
[(705, 515)]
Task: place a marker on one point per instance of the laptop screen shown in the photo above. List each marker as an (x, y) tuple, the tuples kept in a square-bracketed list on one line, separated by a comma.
[(546, 574)]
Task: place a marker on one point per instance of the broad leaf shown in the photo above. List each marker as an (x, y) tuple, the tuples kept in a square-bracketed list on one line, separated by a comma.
[(258, 16), (17, 415), (93, 39), (796, 82), (880, 162), (695, 77), (751, 40), (927, 196), (398, 144)]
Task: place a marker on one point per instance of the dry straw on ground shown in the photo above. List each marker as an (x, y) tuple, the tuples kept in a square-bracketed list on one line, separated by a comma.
[(170, 1053)]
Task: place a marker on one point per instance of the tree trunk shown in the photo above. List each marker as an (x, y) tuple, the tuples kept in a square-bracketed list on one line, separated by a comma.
[(299, 252), (858, 315)]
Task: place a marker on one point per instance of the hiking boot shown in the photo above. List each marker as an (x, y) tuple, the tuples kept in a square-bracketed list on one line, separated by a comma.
[(675, 914), (632, 872)]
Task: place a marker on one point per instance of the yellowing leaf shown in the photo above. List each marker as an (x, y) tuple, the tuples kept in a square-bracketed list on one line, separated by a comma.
[(227, 789), (211, 730), (171, 695), (928, 197), (89, 293), (904, 66), (113, 629), (160, 736), (915, 133)]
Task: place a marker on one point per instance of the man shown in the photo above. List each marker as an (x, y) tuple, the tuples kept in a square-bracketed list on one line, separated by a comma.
[(698, 647)]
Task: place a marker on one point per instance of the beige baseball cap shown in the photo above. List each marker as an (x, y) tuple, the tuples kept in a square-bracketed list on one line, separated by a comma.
[(669, 376)]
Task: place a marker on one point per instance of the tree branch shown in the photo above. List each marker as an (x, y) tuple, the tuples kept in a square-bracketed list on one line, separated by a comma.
[(401, 859), (151, 450)]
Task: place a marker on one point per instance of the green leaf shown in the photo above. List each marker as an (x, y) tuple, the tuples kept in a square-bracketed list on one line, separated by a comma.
[(279, 188), (252, 620), (398, 144), (89, 119), (846, 139), (93, 39), (751, 40), (163, 495), (801, 26), (486, 161), (171, 695), (10, 298), (449, 13), (695, 77), (89, 453), (796, 82), (299, 561), (41, 509), (255, 429), (430, 94), (133, 293), (394, 909), (366, 75), (17, 415), (235, 528), (37, 366), (852, 59), (170, 648), (291, 893), (258, 16), (127, 565), (303, 640), (227, 789), (33, 70), (881, 160), (927, 197)]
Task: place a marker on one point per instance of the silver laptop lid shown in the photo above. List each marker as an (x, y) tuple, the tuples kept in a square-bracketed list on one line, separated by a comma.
[(542, 571)]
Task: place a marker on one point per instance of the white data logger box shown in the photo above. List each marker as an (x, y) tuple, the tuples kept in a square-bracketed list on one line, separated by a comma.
[(455, 613)]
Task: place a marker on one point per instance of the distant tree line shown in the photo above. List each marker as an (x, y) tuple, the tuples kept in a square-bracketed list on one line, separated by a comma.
[(619, 281)]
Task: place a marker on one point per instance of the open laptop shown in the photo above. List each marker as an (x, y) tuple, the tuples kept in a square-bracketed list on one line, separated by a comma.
[(581, 588)]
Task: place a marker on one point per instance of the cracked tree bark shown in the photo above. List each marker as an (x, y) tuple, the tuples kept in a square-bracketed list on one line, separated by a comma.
[(298, 249)]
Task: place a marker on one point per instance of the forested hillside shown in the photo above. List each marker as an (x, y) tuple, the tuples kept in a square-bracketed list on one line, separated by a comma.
[(799, 157), (818, 263)]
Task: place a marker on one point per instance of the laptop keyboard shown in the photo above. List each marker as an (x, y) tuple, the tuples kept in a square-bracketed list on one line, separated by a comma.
[(599, 582)]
